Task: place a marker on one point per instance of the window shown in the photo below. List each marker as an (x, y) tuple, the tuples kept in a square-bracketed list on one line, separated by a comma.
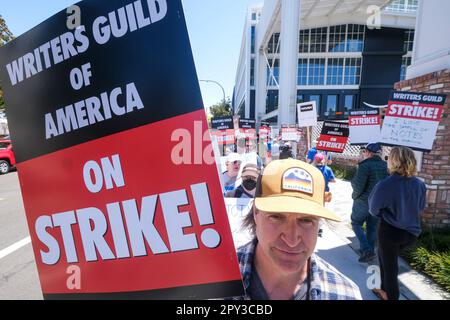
[(331, 105), (274, 76), (316, 98), (271, 100), (300, 97), (253, 16), (349, 103), (319, 40), (252, 72), (302, 75), (316, 72), (355, 38), (253, 38), (403, 6), (409, 40), (337, 39), (274, 44), (335, 71), (352, 71), (304, 41), (406, 62)]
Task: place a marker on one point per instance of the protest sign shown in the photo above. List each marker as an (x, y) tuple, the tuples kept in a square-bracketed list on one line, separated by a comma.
[(333, 137), (289, 134), (223, 130), (237, 210), (248, 128), (307, 114), (365, 126), (412, 120), (98, 115)]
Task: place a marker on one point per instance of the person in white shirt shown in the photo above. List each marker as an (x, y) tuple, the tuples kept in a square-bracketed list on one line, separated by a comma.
[(229, 177)]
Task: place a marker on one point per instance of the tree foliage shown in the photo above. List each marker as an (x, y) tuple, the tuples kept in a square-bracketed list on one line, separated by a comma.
[(5, 36), (221, 109)]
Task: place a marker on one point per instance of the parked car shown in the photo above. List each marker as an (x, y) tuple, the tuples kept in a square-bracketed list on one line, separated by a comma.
[(7, 159)]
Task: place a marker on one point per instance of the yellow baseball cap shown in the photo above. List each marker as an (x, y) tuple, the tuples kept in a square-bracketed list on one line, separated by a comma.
[(293, 186)]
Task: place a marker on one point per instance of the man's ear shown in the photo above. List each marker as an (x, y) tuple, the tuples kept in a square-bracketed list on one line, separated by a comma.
[(255, 213)]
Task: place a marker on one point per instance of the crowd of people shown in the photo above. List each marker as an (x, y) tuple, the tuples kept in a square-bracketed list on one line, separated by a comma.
[(289, 206)]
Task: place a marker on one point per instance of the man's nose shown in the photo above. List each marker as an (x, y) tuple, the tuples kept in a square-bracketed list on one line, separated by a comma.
[(291, 234)]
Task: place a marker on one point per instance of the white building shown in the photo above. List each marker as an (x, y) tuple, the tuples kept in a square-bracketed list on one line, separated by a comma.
[(344, 54)]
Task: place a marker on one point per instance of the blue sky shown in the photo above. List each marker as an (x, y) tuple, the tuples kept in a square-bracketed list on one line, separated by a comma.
[(215, 29)]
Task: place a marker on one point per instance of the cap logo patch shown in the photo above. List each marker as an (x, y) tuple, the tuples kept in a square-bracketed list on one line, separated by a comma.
[(297, 179)]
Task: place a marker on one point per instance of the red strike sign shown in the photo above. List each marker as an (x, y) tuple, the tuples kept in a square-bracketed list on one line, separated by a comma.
[(365, 120), (419, 112), (123, 213), (333, 144), (224, 136)]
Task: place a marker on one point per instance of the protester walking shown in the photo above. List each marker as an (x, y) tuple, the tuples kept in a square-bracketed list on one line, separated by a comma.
[(398, 201), (370, 171)]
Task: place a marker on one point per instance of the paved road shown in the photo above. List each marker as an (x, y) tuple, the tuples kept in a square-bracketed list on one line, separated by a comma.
[(18, 273)]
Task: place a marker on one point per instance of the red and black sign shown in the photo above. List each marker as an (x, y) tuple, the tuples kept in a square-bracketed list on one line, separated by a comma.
[(248, 127), (334, 137), (114, 157)]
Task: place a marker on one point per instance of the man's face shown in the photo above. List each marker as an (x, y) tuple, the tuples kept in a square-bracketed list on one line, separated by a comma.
[(286, 240), (233, 168)]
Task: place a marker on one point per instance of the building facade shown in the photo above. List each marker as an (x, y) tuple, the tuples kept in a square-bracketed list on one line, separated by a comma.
[(344, 54)]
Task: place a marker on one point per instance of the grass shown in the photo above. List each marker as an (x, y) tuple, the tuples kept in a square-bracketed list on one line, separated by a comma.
[(431, 255)]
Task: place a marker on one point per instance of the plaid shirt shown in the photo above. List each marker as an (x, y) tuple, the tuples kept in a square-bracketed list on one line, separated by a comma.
[(326, 282)]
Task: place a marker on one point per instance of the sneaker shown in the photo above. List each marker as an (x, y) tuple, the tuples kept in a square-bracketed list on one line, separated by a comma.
[(367, 257)]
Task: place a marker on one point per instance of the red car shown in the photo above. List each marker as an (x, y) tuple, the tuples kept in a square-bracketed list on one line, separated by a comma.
[(7, 159)]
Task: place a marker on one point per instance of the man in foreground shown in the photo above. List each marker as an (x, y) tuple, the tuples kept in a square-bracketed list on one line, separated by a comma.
[(279, 263)]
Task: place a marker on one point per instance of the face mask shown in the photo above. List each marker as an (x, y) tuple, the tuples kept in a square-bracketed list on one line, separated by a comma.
[(249, 184)]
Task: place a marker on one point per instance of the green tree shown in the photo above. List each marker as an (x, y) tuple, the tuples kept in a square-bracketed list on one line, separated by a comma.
[(221, 109), (5, 36)]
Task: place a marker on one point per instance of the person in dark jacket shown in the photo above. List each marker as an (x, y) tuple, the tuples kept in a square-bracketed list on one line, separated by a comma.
[(286, 151), (399, 201), (370, 171)]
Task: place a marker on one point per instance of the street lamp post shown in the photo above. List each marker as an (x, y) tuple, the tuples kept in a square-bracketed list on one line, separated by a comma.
[(223, 90)]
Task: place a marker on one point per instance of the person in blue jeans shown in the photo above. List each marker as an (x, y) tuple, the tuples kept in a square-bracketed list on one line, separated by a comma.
[(370, 171)]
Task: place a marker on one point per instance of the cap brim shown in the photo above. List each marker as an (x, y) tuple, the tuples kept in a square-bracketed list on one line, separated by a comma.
[(287, 204)]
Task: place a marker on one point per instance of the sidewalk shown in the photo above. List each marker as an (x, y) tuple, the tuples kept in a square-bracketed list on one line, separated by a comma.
[(413, 285)]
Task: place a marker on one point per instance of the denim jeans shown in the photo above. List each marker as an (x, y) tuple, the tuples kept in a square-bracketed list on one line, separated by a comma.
[(360, 214)]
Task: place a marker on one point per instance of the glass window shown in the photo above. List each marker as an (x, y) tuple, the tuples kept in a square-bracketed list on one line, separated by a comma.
[(409, 40), (274, 76), (300, 97), (304, 41), (252, 72), (253, 39), (271, 100), (349, 103), (254, 16), (331, 105), (316, 72), (319, 40), (337, 39), (274, 44), (355, 38), (403, 5), (406, 62), (316, 98), (352, 71), (335, 71), (302, 75)]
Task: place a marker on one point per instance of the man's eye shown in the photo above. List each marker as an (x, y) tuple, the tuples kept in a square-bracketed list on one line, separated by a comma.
[(306, 221), (275, 217)]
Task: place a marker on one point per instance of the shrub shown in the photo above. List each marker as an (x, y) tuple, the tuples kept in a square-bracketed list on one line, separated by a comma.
[(431, 255)]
